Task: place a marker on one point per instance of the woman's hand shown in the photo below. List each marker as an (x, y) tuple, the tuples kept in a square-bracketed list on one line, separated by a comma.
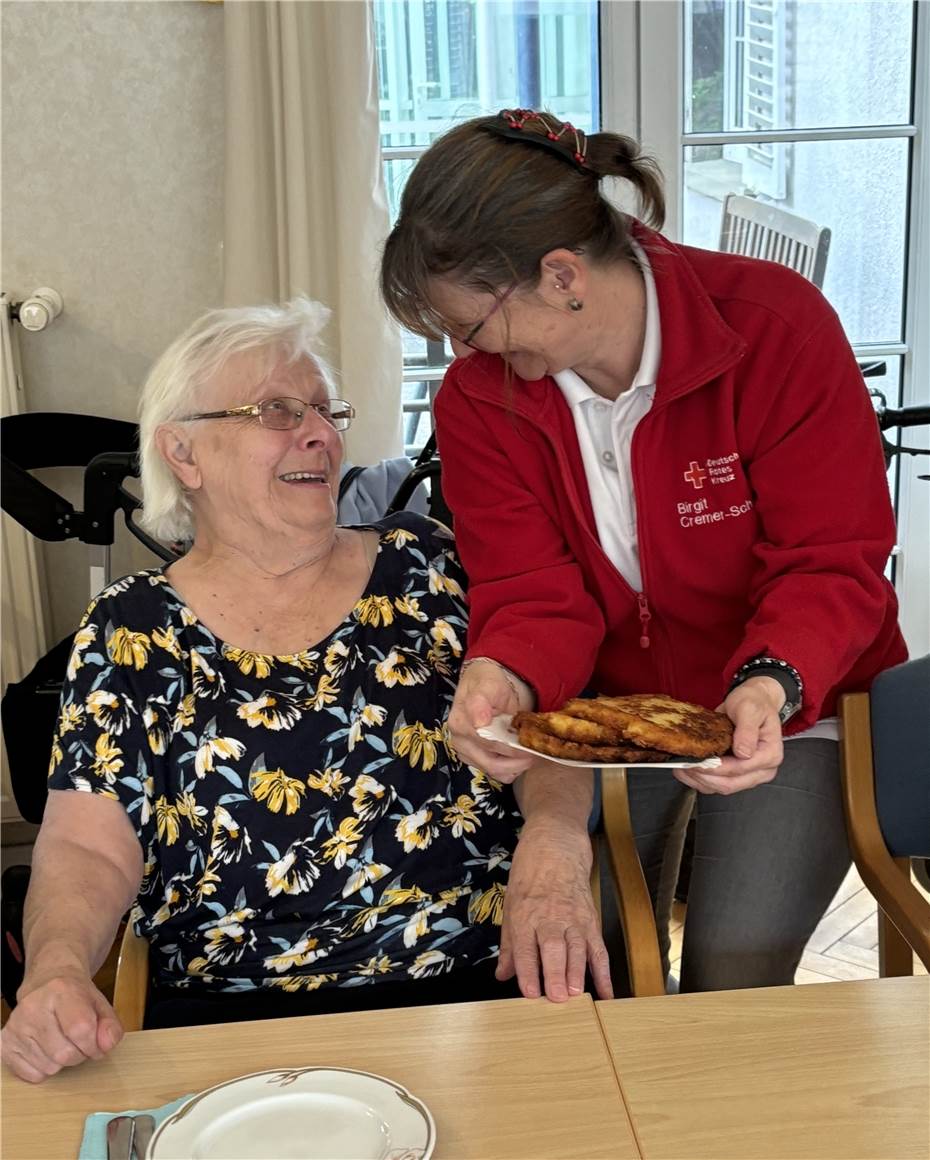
[(58, 1022), (485, 691), (550, 917), (757, 742)]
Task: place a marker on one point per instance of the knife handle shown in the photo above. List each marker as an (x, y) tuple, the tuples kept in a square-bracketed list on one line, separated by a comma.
[(145, 1129)]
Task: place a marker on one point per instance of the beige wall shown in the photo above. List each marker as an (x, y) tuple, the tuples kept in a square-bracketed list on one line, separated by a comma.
[(111, 194)]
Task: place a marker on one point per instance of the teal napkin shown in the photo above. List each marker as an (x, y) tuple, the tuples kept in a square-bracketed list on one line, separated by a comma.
[(94, 1143)]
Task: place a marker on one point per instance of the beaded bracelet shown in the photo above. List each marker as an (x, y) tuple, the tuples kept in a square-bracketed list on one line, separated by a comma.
[(787, 676)]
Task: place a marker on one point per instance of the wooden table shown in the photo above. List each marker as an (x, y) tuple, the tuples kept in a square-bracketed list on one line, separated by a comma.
[(505, 1080), (835, 1070)]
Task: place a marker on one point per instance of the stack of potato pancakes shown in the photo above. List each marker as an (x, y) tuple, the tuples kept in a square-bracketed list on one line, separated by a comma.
[(641, 729)]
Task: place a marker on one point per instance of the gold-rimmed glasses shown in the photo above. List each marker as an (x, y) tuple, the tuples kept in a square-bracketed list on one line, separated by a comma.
[(468, 339), (285, 414)]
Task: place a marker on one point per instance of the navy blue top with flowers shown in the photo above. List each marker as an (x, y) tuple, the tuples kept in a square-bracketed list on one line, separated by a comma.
[(303, 819)]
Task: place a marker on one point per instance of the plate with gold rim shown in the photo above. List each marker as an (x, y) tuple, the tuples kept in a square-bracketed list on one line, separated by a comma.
[(304, 1113)]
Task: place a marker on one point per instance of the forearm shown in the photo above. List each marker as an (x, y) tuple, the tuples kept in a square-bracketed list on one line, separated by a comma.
[(75, 902), (552, 797)]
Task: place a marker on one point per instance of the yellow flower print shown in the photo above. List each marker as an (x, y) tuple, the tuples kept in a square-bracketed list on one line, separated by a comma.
[(72, 716), (360, 717), (486, 792), (461, 816), (111, 711), (378, 965), (305, 661), (440, 582), (330, 781), (168, 821), (367, 918), (207, 681), (109, 758), (443, 633), (227, 941), (305, 950), (228, 840), (488, 904), (302, 982), (431, 962), (56, 756), (409, 606), (129, 648), (364, 876), (208, 883), (375, 610), (417, 744), (416, 830), (216, 747), (156, 726), (195, 814), (326, 692), (276, 789), (336, 659), (343, 842), (199, 967), (274, 712), (249, 662), (369, 797), (177, 896), (187, 617), (295, 873), (82, 638), (401, 668), (165, 638), (184, 715), (399, 537)]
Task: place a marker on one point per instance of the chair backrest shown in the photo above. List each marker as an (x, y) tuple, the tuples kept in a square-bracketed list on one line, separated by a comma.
[(757, 230), (885, 763)]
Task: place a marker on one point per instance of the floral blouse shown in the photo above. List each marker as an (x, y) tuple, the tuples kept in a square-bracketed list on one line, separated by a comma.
[(303, 819)]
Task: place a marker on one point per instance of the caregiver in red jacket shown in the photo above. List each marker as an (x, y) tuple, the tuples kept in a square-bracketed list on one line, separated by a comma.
[(665, 474)]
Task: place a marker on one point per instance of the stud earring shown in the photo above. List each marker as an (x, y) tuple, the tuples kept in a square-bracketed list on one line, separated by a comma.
[(574, 304)]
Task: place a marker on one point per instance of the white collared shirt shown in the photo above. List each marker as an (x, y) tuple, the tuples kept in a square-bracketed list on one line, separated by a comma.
[(605, 432)]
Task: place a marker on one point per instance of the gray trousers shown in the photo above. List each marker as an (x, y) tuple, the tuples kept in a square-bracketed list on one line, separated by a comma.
[(767, 863)]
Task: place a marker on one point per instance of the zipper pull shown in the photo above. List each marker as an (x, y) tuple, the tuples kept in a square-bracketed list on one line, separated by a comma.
[(644, 617)]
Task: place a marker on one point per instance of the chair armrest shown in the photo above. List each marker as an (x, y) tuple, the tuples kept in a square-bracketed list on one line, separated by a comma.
[(132, 980), (633, 902)]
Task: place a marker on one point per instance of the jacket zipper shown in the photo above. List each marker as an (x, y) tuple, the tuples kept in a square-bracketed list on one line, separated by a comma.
[(644, 617)]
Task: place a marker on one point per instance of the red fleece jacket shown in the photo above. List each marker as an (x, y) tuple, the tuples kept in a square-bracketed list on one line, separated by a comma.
[(763, 511)]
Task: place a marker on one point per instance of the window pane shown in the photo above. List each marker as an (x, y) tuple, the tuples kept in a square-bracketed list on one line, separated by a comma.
[(443, 61), (775, 64), (395, 175), (858, 189)]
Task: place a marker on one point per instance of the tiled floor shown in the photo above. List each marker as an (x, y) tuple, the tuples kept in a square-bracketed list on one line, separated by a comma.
[(844, 945)]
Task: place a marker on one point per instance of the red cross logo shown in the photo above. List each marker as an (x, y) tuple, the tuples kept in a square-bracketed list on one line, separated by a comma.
[(696, 475)]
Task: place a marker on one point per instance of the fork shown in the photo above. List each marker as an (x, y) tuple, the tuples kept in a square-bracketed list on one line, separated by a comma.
[(144, 1129)]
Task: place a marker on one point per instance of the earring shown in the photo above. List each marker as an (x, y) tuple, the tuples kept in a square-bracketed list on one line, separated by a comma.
[(574, 304)]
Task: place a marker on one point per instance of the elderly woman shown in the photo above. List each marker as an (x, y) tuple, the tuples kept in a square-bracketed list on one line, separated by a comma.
[(251, 750)]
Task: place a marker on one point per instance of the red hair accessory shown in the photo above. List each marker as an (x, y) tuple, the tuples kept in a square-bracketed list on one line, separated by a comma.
[(559, 137)]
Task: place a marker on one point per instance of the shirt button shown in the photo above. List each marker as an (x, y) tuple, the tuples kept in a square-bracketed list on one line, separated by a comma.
[(608, 457)]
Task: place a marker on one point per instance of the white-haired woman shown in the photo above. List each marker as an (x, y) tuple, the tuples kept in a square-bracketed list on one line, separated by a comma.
[(251, 750)]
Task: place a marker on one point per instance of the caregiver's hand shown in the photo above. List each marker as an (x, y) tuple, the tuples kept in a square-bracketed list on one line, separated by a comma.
[(757, 741), (484, 691), (549, 916), (58, 1022)]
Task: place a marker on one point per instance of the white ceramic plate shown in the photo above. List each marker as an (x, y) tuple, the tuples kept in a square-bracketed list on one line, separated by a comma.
[(499, 730), (307, 1113)]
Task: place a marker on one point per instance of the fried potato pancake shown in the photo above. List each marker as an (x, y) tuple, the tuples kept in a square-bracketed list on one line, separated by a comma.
[(549, 746), (569, 728), (655, 721)]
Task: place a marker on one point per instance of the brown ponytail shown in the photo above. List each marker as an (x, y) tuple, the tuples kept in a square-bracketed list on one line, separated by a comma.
[(490, 197)]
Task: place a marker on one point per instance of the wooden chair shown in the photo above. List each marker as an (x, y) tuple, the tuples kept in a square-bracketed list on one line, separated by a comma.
[(758, 230), (131, 987), (644, 960), (885, 763)]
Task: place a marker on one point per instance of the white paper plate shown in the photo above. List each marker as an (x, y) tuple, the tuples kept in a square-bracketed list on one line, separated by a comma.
[(499, 730), (307, 1113)]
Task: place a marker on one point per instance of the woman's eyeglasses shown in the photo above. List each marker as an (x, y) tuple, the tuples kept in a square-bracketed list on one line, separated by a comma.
[(286, 414), (467, 340)]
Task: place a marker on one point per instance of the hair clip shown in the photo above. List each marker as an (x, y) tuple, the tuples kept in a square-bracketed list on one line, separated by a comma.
[(510, 123)]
